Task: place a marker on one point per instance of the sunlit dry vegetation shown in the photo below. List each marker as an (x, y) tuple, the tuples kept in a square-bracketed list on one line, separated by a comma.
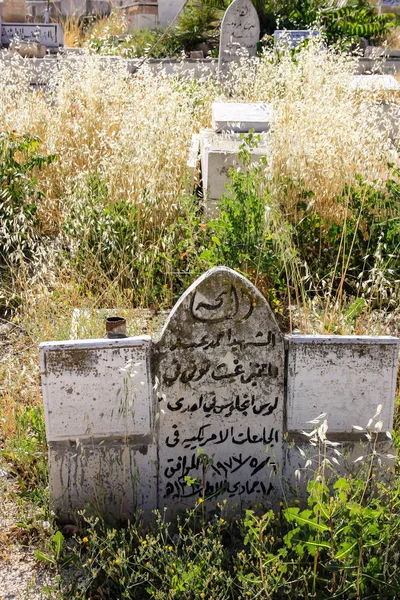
[(98, 209), (120, 146)]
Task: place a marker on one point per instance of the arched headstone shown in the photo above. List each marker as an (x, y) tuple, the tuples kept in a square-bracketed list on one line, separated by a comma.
[(219, 378), (240, 30)]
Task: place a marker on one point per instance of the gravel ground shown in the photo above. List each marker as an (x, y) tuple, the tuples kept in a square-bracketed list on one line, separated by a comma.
[(20, 575), (20, 578)]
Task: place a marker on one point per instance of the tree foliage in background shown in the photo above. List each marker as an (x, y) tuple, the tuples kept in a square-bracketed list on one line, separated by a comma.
[(199, 23), (351, 21), (355, 20)]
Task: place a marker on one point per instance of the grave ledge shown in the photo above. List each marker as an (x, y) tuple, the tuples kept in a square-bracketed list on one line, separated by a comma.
[(355, 437), (102, 343), (91, 442), (341, 339)]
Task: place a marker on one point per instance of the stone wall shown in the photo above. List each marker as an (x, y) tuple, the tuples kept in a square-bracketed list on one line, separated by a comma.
[(13, 11)]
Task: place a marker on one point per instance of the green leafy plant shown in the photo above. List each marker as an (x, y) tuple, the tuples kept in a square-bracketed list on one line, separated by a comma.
[(243, 233), (26, 454), (337, 545), (113, 236), (356, 19), (56, 549), (360, 255), (152, 43), (345, 23), (20, 195), (199, 23), (165, 563)]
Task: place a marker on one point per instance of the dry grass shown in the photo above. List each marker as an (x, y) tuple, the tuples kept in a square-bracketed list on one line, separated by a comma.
[(393, 39), (115, 24), (135, 132), (73, 32), (325, 133)]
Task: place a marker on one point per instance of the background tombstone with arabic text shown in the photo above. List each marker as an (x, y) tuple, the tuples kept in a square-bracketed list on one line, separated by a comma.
[(219, 378), (240, 32)]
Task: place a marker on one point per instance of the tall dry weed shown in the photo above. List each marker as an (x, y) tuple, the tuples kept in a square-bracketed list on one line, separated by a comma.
[(325, 132), (135, 131)]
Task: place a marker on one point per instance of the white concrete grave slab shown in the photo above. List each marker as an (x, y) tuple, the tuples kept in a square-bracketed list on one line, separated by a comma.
[(73, 373), (50, 35), (115, 479), (219, 374), (294, 37), (241, 117), (240, 32), (346, 377)]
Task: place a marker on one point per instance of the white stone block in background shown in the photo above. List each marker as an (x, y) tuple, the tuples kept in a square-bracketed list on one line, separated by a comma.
[(346, 377), (240, 117), (86, 392), (374, 83), (218, 154), (49, 35)]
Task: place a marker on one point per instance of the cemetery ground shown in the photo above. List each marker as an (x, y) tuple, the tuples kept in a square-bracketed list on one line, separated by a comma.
[(98, 211)]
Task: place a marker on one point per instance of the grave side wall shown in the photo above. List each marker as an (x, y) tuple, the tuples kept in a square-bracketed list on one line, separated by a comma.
[(99, 421), (346, 377)]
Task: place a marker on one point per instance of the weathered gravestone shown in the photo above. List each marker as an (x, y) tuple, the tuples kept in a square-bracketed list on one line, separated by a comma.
[(219, 376), (240, 32), (134, 425), (294, 37), (49, 35)]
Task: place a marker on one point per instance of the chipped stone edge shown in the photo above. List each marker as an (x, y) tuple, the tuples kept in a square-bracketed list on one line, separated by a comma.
[(342, 339)]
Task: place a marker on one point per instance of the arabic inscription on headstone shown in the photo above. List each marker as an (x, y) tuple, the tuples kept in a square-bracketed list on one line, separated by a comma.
[(240, 32), (219, 383)]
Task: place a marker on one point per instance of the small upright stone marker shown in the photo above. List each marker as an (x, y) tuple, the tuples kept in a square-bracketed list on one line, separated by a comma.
[(219, 377), (240, 31)]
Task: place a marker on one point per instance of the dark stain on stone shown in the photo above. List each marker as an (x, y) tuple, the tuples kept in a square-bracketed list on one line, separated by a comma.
[(76, 360)]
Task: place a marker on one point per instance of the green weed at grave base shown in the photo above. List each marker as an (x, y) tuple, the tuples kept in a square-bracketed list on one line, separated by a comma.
[(341, 542), (26, 455)]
